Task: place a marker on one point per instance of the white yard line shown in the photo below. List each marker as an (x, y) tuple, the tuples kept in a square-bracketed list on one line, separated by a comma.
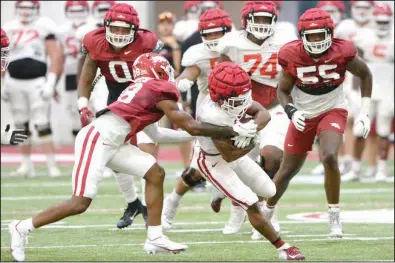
[(215, 242)]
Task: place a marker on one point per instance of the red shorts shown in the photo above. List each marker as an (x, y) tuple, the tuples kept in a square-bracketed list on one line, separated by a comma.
[(297, 142)]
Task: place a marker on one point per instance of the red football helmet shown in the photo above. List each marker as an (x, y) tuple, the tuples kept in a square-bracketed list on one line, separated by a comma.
[(5, 50), (230, 86), (278, 5), (27, 11), (383, 17), (254, 9), (152, 65), (100, 9), (191, 9), (77, 11), (124, 16), (362, 11), (214, 20), (335, 8), (315, 21)]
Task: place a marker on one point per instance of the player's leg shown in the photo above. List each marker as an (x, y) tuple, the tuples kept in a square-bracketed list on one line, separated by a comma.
[(224, 178), (330, 132), (91, 157), (40, 116), (129, 159), (383, 124)]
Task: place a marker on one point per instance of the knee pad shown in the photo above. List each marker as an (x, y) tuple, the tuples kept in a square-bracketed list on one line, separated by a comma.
[(43, 130), (267, 189), (188, 177), (24, 126)]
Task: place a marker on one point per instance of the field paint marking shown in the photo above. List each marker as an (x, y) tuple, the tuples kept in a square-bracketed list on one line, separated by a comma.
[(294, 192), (217, 242)]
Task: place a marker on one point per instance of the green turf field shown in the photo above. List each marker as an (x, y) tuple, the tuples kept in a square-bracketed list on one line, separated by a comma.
[(93, 236)]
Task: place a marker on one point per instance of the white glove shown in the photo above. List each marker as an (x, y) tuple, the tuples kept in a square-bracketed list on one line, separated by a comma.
[(13, 137), (48, 89), (362, 126), (241, 141), (299, 118), (184, 85), (245, 129)]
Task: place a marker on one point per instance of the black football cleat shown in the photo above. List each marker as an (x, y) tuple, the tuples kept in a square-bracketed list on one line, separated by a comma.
[(132, 210)]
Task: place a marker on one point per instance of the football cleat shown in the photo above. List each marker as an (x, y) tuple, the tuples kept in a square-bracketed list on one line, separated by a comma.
[(163, 244), (335, 226), (54, 172), (132, 210), (381, 176), (351, 176), (291, 253), (318, 170), (18, 241), (168, 212), (236, 220), (24, 171)]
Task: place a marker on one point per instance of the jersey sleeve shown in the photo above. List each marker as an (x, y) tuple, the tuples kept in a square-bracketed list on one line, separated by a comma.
[(190, 57), (150, 41), (226, 46), (349, 51), (166, 91), (285, 56)]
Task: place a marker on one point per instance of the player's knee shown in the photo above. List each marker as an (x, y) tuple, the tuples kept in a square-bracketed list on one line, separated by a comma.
[(24, 126), (192, 177), (43, 129), (266, 188), (329, 158), (79, 205), (156, 174), (254, 208)]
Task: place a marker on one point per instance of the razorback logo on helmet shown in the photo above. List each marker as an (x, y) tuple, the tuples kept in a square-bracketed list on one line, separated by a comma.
[(335, 8), (251, 13), (230, 87), (362, 11), (27, 11), (383, 17), (212, 21), (77, 11), (100, 8), (5, 50), (316, 21), (121, 22), (152, 65)]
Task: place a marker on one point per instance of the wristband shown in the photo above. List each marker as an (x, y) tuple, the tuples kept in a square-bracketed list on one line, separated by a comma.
[(365, 105), (290, 110), (82, 103)]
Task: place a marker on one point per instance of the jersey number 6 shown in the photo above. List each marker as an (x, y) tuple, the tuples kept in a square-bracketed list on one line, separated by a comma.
[(321, 71)]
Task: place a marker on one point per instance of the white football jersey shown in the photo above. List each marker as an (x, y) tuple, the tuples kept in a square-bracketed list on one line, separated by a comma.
[(206, 60), (210, 112), (72, 46), (379, 55), (286, 31), (259, 61), (28, 41)]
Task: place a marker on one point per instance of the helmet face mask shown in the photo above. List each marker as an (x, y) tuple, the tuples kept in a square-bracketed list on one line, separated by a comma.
[(237, 106), (322, 40), (27, 11), (77, 13), (261, 24), (362, 11), (383, 17), (119, 34), (211, 38)]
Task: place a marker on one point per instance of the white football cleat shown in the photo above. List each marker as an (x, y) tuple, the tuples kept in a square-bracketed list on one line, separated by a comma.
[(335, 226), (24, 171), (236, 220), (18, 241), (370, 172), (54, 172), (351, 176), (381, 176), (318, 170), (168, 212), (163, 244)]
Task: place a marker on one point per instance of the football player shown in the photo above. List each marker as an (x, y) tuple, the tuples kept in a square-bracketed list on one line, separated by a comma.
[(104, 143), (377, 49), (30, 82), (313, 69), (235, 175), (256, 49), (198, 61), (76, 13), (9, 136), (187, 26), (335, 8)]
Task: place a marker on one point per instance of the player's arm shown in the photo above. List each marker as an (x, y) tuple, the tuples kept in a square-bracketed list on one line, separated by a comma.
[(55, 53), (285, 85), (164, 135), (260, 114), (185, 81), (229, 152), (87, 76), (80, 64), (185, 121)]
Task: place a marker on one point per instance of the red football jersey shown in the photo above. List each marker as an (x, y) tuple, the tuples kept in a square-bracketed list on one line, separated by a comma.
[(116, 67), (320, 76), (137, 103)]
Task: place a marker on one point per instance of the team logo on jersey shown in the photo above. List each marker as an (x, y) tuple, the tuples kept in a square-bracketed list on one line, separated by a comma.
[(334, 124)]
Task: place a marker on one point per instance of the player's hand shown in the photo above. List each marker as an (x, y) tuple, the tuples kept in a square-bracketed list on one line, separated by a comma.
[(47, 91), (245, 129), (184, 85), (86, 116), (13, 137), (299, 119), (362, 126), (241, 141)]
